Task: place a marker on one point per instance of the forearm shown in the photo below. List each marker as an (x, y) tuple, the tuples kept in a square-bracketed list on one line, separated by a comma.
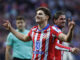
[(70, 32), (17, 34), (8, 55), (62, 48), (69, 35), (66, 37)]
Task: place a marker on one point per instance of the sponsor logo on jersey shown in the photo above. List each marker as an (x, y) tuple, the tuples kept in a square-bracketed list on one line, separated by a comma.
[(37, 45)]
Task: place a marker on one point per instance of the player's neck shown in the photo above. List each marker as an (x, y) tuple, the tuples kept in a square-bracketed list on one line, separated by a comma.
[(42, 25)]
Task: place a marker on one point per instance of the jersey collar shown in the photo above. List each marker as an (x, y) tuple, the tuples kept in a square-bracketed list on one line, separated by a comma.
[(44, 28)]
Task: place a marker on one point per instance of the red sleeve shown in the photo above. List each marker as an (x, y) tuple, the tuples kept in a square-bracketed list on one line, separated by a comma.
[(61, 47), (29, 34), (56, 31)]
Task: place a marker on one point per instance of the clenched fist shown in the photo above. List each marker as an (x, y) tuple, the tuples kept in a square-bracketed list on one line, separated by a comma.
[(71, 24), (75, 50)]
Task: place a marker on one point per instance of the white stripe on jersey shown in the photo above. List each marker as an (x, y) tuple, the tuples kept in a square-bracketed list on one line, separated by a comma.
[(59, 48), (35, 44), (32, 35), (47, 45), (41, 37), (62, 52), (56, 29), (58, 41), (32, 40)]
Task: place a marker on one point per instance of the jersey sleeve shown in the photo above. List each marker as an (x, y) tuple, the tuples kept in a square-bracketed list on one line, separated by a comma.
[(56, 31), (30, 35), (9, 40), (61, 47)]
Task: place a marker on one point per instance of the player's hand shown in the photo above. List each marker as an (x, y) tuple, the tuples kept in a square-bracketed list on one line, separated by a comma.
[(71, 24), (75, 50), (7, 24)]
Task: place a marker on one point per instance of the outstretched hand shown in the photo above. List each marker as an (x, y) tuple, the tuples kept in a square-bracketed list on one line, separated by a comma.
[(75, 50), (7, 24)]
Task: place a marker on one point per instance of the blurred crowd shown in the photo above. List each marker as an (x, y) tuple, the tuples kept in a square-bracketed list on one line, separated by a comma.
[(10, 9)]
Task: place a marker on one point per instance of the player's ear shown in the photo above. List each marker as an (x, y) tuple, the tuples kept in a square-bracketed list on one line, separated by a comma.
[(55, 21), (47, 17)]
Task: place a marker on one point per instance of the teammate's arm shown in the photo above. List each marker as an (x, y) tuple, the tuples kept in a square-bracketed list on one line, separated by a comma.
[(22, 37), (65, 48), (59, 46), (67, 37), (8, 55)]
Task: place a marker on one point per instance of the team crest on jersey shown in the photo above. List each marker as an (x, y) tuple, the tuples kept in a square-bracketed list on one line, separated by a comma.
[(37, 45)]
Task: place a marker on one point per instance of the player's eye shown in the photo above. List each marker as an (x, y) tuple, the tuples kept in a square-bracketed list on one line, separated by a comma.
[(40, 14), (62, 18)]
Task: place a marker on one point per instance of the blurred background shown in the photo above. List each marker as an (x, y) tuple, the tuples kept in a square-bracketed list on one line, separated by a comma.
[(10, 9)]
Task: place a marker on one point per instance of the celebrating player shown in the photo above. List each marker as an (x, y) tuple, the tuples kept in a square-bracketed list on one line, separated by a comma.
[(42, 35), (59, 20)]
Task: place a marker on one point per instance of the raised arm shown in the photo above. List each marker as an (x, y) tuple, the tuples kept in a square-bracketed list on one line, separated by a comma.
[(67, 37), (22, 37)]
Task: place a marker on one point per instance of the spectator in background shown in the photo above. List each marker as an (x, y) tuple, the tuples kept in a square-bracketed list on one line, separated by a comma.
[(21, 50)]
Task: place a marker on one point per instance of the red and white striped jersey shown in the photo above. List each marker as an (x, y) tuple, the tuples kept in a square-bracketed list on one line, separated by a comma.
[(59, 48), (43, 42)]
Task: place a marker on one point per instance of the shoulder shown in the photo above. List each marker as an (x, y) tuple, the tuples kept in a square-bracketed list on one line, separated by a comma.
[(34, 28), (55, 29), (10, 34), (26, 30)]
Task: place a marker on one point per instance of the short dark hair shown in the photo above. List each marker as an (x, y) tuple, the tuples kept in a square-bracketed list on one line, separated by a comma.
[(57, 14), (46, 11), (20, 18)]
